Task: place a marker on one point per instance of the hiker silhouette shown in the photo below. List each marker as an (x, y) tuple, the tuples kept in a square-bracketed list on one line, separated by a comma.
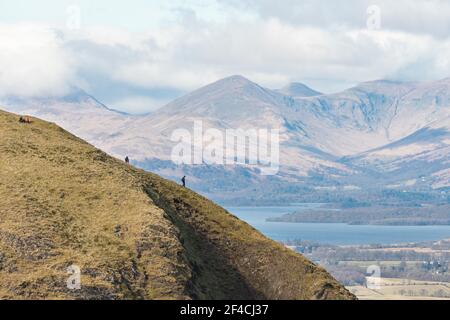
[(183, 180), (127, 160)]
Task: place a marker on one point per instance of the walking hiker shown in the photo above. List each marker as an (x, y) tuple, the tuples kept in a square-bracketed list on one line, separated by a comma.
[(183, 180), (127, 160)]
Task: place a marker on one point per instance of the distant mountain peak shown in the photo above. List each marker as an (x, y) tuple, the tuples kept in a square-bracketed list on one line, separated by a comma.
[(297, 89), (234, 81), (236, 77), (229, 98)]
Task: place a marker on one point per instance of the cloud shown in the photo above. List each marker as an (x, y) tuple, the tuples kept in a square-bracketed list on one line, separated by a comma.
[(33, 61), (138, 104), (327, 46), (419, 16)]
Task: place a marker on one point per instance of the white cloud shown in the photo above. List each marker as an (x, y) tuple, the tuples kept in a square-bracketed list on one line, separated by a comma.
[(325, 45), (33, 61), (418, 16), (138, 104)]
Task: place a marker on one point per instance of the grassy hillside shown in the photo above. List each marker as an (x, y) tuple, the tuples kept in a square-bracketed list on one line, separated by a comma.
[(133, 234)]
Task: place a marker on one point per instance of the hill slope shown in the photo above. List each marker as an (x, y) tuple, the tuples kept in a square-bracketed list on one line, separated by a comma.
[(133, 234)]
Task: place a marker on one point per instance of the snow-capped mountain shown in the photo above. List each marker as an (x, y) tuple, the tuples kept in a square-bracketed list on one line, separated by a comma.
[(233, 103), (381, 133), (422, 157)]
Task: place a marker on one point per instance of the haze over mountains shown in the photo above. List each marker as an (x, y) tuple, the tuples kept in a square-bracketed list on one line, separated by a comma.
[(379, 134)]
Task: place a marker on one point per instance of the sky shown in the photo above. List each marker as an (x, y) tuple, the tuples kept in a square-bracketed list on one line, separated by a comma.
[(138, 55)]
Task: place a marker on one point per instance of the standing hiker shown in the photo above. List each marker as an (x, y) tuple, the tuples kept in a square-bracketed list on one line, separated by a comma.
[(183, 180), (127, 160)]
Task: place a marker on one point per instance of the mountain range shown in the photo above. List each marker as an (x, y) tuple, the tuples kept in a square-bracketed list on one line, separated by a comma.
[(377, 135)]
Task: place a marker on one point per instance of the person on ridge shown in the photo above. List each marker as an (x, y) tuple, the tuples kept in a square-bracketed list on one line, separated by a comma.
[(183, 180), (127, 160)]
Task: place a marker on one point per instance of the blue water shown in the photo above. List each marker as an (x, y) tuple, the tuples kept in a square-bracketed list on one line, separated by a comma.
[(333, 233)]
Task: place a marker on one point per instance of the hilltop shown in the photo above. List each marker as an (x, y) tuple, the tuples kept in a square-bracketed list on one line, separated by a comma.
[(296, 89), (133, 234)]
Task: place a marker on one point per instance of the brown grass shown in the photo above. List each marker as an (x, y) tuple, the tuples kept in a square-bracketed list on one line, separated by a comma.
[(133, 234)]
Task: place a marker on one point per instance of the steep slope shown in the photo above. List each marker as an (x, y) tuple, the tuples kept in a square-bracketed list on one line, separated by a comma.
[(420, 158), (133, 234), (386, 110), (354, 120)]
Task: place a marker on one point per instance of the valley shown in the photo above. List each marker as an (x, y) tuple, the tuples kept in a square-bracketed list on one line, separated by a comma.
[(409, 271), (375, 262)]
